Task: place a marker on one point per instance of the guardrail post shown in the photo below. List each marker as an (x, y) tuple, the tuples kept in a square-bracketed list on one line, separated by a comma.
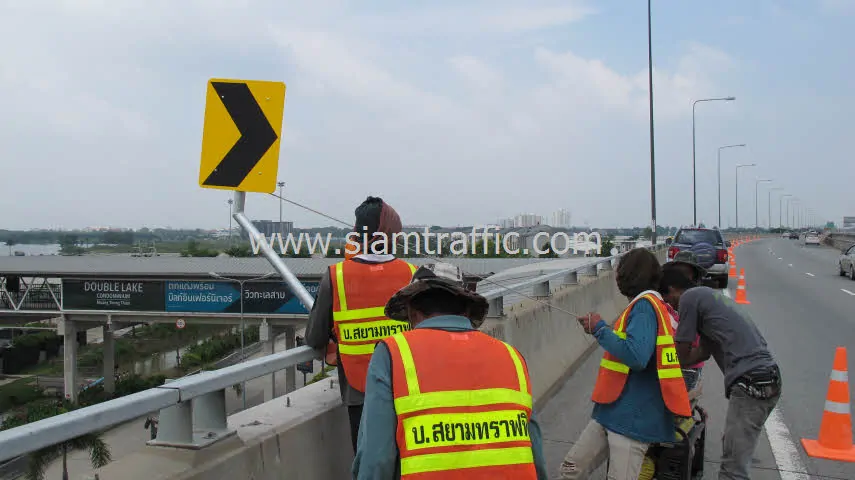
[(607, 265), (541, 290), (590, 270), (174, 426), (571, 278), (496, 307), (209, 418)]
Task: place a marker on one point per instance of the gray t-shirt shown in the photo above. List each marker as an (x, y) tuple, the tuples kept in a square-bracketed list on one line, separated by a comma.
[(726, 329)]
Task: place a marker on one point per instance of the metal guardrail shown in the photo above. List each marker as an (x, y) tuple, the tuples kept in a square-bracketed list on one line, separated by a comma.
[(192, 409)]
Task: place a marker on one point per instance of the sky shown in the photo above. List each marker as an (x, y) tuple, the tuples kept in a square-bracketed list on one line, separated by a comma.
[(455, 113)]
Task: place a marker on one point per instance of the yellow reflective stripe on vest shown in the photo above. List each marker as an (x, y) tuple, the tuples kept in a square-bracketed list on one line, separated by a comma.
[(468, 428), (417, 401), (518, 365), (339, 281), (410, 375), (615, 366), (471, 459), (364, 349), (670, 373), (370, 331), (461, 398), (359, 314), (664, 340)]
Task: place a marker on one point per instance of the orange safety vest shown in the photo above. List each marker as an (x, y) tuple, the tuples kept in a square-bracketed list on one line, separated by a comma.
[(360, 292), (462, 400), (613, 374)]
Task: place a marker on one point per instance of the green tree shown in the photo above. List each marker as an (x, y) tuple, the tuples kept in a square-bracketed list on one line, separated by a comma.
[(647, 233), (69, 245), (11, 242), (607, 246), (239, 251), (38, 462), (546, 248), (194, 250)]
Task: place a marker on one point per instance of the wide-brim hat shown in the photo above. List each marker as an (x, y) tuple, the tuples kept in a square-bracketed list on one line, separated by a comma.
[(691, 260), (443, 276)]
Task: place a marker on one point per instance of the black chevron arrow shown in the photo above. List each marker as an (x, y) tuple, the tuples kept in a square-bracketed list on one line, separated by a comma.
[(256, 135)]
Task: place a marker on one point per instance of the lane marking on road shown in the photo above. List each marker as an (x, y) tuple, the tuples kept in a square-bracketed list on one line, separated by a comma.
[(847, 291), (779, 258), (783, 449), (790, 265), (726, 292), (810, 274)]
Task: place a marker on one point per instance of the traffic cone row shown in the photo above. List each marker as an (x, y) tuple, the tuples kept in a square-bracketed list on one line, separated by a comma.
[(741, 295), (732, 256), (835, 430)]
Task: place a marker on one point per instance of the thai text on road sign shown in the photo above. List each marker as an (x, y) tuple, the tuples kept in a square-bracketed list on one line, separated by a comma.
[(241, 135)]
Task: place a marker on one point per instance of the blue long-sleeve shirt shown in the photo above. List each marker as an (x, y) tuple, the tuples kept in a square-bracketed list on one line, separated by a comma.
[(640, 412), (377, 449)]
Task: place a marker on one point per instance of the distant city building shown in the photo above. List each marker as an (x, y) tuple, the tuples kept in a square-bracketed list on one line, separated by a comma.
[(506, 223), (527, 220), (561, 219), (272, 227)]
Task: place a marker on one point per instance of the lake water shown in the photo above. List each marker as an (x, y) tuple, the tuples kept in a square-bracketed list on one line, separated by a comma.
[(29, 249)]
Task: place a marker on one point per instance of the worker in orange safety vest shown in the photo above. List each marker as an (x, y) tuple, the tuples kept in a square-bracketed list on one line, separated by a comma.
[(445, 401), (639, 387), (347, 319)]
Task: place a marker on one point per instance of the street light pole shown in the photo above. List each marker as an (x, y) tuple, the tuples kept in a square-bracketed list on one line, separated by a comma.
[(781, 209), (230, 221), (650, 86), (719, 178), (756, 190), (281, 184), (791, 198), (694, 176), (241, 282), (736, 206), (769, 205)]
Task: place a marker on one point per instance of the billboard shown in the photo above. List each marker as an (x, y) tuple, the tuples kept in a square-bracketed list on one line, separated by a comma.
[(190, 296), (132, 295), (224, 297)]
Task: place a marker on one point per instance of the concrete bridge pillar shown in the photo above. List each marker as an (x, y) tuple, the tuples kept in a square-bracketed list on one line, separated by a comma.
[(290, 372), (267, 337), (109, 349), (68, 329)]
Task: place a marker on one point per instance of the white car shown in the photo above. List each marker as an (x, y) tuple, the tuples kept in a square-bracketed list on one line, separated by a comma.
[(811, 238), (847, 262)]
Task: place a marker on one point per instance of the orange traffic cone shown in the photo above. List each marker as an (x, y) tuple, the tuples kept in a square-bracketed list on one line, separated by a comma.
[(732, 272), (740, 289), (835, 431)]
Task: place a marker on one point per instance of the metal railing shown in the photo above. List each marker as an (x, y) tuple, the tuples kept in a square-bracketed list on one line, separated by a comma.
[(192, 409)]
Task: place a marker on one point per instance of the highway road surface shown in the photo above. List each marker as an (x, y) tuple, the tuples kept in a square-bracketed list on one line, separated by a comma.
[(805, 310)]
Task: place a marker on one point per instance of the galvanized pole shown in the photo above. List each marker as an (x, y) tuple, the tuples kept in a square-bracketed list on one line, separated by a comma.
[(296, 287), (652, 156)]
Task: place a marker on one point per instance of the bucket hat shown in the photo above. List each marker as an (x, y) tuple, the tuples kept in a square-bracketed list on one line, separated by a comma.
[(443, 276), (689, 259)]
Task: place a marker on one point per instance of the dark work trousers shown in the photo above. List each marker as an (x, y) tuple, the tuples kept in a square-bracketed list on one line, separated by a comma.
[(355, 414)]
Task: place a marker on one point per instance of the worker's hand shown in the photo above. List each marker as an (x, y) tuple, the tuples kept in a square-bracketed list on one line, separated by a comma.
[(589, 321)]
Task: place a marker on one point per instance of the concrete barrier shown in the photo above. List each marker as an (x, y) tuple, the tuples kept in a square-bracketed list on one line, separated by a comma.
[(840, 241), (305, 435)]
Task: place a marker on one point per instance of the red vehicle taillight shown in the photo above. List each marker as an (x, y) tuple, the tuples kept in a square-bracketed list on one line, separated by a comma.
[(673, 251), (721, 256)]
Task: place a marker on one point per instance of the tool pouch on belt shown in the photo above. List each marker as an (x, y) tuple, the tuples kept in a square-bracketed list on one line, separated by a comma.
[(761, 384)]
